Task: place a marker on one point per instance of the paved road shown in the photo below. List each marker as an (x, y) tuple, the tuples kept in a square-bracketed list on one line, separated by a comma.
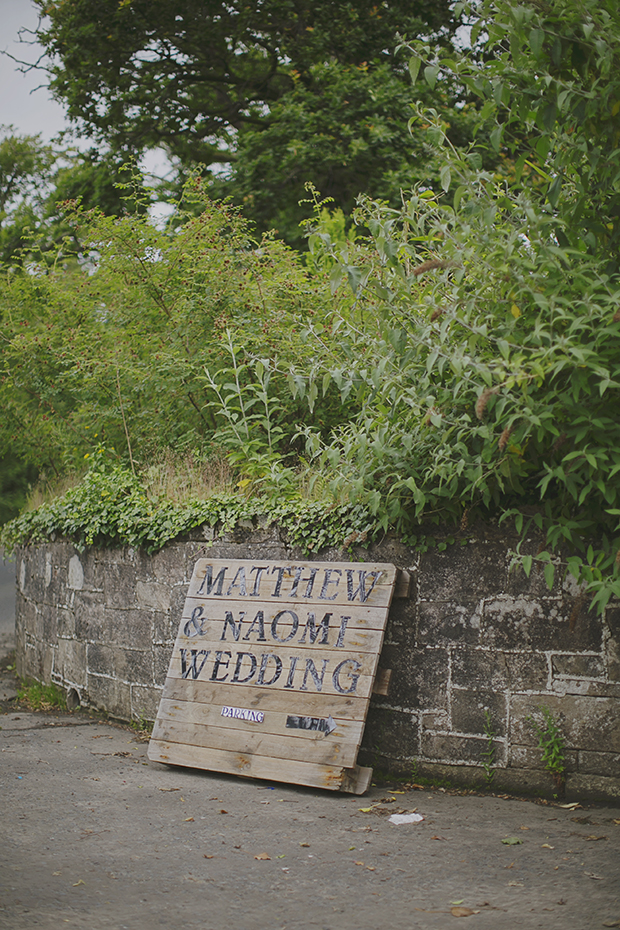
[(96, 837)]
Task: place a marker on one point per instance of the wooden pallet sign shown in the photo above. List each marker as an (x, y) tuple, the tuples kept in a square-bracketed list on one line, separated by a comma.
[(272, 670)]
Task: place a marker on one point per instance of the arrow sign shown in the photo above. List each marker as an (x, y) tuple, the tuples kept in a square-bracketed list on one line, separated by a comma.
[(311, 723)]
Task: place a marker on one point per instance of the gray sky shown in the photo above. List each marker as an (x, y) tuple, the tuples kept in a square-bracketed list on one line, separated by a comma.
[(30, 110), (27, 105)]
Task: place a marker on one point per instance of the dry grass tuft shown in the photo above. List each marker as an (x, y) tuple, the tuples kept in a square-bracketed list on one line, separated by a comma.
[(181, 478), (48, 489)]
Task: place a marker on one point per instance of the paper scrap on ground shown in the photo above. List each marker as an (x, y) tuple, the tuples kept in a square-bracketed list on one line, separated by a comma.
[(406, 818)]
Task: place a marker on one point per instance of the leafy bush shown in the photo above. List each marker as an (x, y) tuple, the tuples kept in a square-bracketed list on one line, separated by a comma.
[(553, 746), (112, 343), (486, 374), (456, 357), (483, 342)]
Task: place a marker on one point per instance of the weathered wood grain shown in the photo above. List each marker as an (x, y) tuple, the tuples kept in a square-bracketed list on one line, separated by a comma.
[(341, 707), (331, 777), (301, 746), (232, 660)]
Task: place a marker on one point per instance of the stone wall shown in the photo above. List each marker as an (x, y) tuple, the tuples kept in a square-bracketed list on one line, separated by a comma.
[(472, 643)]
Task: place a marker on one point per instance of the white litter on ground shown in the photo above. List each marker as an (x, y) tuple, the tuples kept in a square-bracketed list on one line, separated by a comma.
[(406, 818)]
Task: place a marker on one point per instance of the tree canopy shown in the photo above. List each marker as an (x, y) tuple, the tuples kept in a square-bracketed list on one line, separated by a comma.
[(277, 93), (190, 73)]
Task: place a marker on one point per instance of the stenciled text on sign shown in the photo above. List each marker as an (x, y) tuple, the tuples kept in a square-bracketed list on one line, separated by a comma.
[(247, 627)]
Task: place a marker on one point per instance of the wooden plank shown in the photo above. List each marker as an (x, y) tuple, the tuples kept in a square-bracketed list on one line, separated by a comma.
[(272, 670), (356, 780), (237, 763), (332, 673), (341, 707), (304, 746), (273, 721), (303, 582), (402, 588), (382, 681), (259, 622)]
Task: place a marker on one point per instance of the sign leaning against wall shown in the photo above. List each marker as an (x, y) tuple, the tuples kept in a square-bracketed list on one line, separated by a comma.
[(272, 670)]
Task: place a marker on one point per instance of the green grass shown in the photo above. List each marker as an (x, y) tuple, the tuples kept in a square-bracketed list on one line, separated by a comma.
[(42, 697)]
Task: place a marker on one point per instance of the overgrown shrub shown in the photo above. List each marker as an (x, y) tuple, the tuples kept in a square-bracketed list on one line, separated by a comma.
[(455, 358)]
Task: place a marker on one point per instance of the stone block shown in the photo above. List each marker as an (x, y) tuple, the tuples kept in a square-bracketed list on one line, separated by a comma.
[(119, 585), (167, 567), (100, 659), (592, 788), (65, 620), (447, 622), (459, 749), (435, 720), (516, 623), (144, 702), (177, 602), (47, 623), (600, 763), (25, 614), (20, 653), (391, 733), (92, 567), (420, 679), (133, 666), (530, 757), (462, 573), (39, 660), (152, 594), (132, 628), (570, 686), (70, 662), (586, 686), (75, 573), (524, 782), (161, 662), (402, 623), (110, 695), (475, 667), (470, 709), (89, 616), (612, 645), (586, 723), (31, 572), (578, 666), (499, 670), (165, 627)]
